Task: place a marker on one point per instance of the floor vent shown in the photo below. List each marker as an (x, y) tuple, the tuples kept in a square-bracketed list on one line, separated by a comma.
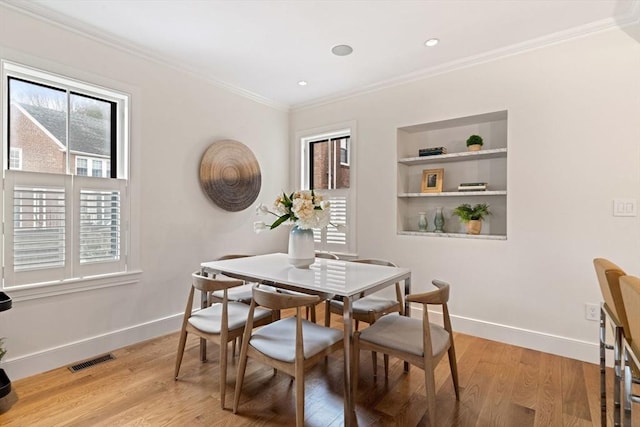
[(92, 362)]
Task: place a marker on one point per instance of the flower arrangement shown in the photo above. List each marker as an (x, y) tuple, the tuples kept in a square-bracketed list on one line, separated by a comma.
[(306, 209)]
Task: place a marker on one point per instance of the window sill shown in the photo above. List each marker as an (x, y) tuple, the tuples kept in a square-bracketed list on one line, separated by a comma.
[(49, 289)]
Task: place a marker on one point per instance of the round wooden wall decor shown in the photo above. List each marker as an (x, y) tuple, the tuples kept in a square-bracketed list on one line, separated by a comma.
[(230, 175)]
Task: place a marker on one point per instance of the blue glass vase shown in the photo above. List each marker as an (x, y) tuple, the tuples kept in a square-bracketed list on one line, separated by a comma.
[(438, 221)]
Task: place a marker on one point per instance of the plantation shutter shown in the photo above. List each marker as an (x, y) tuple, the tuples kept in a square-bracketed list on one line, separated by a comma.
[(59, 227), (37, 232), (99, 239), (331, 238)]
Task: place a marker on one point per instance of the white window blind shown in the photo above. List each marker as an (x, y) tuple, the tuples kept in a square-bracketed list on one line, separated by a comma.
[(99, 226), (100, 209), (39, 227), (62, 227)]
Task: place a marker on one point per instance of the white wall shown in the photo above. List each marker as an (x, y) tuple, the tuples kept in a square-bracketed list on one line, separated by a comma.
[(175, 117), (574, 145)]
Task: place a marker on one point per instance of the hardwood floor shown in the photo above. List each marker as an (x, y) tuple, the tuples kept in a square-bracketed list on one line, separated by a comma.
[(501, 385)]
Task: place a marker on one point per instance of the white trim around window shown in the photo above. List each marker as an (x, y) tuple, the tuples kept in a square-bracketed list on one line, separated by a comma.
[(344, 199), (97, 275)]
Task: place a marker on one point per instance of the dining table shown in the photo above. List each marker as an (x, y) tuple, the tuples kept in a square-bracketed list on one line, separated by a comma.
[(340, 279)]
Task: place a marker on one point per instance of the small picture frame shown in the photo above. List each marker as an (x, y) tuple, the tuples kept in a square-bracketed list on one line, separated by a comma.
[(432, 180)]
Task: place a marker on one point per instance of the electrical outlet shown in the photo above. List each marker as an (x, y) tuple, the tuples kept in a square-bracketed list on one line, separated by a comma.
[(592, 311)]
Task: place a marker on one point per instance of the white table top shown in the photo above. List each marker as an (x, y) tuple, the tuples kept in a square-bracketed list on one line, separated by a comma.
[(343, 278)]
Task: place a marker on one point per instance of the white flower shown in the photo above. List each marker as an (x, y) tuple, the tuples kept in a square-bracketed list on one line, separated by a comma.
[(262, 209), (259, 226), (305, 208)]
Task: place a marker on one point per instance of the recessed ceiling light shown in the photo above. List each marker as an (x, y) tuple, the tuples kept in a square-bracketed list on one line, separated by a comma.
[(431, 42), (342, 50), (302, 83)]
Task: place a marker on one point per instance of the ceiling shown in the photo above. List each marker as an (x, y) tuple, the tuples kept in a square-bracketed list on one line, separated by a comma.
[(262, 48)]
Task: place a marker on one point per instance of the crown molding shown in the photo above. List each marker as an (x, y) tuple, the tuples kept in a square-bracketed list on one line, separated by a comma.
[(41, 13), (633, 17)]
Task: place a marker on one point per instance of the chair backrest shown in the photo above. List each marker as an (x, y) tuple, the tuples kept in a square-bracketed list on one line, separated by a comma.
[(232, 256), (281, 301), (326, 255), (439, 296), (609, 279), (385, 263), (208, 284), (630, 288)]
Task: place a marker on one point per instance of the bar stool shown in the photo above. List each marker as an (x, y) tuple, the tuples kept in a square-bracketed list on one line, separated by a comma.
[(612, 310), (630, 289)]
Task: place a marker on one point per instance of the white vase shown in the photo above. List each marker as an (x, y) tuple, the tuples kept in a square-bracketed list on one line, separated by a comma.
[(301, 247)]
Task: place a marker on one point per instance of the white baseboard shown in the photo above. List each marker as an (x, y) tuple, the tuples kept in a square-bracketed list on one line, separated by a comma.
[(45, 360), (535, 340)]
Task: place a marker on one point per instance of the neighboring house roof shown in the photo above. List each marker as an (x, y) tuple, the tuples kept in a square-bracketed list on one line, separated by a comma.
[(88, 135)]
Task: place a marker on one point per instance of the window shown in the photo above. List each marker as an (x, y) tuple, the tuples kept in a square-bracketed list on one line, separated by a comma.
[(66, 185), (15, 158), (82, 167), (98, 167), (325, 166)]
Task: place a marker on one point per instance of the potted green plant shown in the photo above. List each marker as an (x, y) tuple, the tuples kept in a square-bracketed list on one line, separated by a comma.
[(472, 216), (474, 143)]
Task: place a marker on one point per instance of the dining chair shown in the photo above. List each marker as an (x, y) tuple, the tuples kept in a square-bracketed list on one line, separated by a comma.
[(311, 310), (630, 289), (292, 345), (240, 293), (369, 309), (218, 322), (612, 311), (417, 341)]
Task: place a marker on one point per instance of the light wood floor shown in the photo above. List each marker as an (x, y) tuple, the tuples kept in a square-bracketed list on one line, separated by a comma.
[(501, 385)]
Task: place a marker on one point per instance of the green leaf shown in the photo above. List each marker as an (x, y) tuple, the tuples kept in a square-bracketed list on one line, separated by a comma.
[(279, 221)]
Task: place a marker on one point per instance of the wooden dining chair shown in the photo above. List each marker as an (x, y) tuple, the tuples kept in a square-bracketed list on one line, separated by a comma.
[(219, 322), (630, 289), (369, 309), (417, 341), (311, 310), (612, 311), (292, 345), (240, 293)]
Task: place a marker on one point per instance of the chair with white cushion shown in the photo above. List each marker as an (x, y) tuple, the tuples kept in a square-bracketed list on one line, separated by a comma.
[(417, 341), (220, 322), (370, 308), (292, 345), (612, 311), (240, 293), (630, 290)]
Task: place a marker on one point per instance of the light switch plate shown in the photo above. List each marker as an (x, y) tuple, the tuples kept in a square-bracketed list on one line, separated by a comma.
[(625, 207)]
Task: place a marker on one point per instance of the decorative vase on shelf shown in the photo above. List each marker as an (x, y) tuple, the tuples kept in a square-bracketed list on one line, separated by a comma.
[(301, 247), (422, 221), (438, 221)]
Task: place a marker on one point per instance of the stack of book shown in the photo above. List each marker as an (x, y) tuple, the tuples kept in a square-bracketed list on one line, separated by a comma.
[(432, 151), (472, 186)]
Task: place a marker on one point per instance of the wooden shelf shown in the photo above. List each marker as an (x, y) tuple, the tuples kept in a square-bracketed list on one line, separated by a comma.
[(455, 194), (453, 235), (494, 153)]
